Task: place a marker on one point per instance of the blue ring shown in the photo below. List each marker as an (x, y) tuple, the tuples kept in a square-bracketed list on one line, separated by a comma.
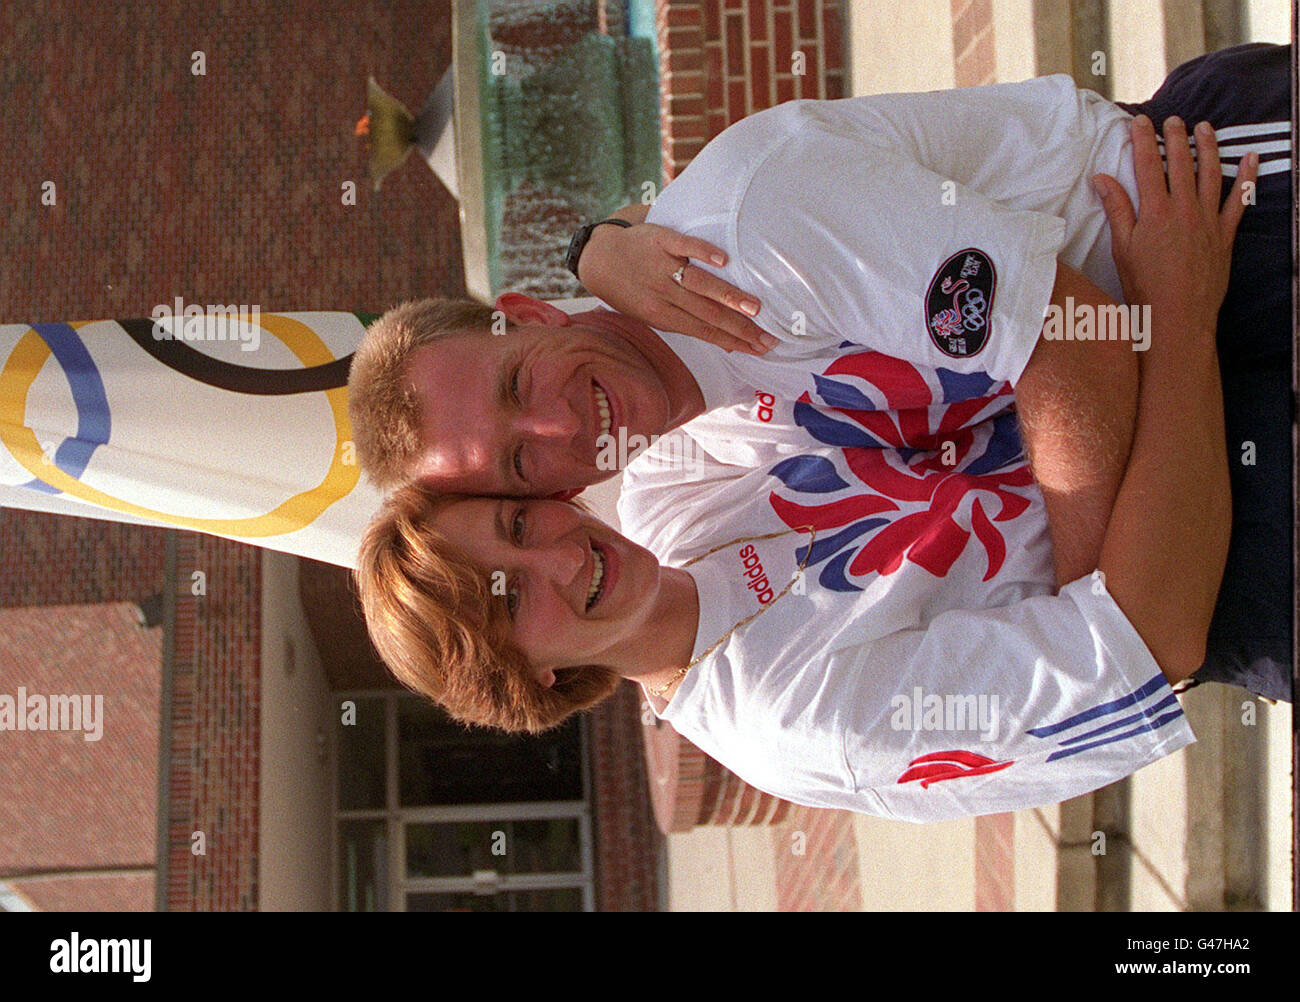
[(94, 424)]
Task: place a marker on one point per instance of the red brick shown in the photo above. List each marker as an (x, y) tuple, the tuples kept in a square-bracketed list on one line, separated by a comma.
[(687, 130), (735, 45), (832, 39), (758, 20), (760, 78), (684, 39), (978, 65), (786, 89), (712, 20), (688, 82), (783, 38), (681, 16), (834, 86), (807, 19), (972, 20), (736, 100), (686, 106), (810, 80), (714, 78), (687, 61)]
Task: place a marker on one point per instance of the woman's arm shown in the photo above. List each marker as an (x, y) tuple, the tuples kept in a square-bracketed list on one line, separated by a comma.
[(631, 269)]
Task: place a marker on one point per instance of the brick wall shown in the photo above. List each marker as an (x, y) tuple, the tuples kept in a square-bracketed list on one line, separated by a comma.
[(972, 42), (215, 734), (224, 187), (816, 862), (59, 560), (720, 60), (628, 844), (70, 804)]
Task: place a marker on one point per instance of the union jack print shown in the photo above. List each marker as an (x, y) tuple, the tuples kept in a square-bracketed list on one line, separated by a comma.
[(911, 447)]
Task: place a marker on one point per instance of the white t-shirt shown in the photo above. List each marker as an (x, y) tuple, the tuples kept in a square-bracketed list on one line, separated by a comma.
[(876, 423), (954, 684), (924, 228)]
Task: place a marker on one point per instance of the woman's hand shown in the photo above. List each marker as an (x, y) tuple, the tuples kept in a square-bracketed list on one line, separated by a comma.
[(1175, 252), (632, 270)]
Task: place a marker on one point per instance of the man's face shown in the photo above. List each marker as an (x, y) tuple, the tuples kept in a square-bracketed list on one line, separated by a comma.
[(524, 412)]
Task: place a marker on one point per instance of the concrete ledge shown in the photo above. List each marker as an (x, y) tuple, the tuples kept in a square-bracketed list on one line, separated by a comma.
[(1055, 868), (910, 867), (722, 869)]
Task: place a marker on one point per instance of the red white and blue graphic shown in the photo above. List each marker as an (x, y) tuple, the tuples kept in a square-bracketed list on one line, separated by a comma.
[(924, 459)]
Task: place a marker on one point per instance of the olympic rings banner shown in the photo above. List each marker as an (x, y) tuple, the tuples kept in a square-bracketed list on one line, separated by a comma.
[(244, 435)]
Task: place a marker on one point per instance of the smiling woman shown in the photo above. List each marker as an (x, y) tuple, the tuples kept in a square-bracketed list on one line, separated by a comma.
[(441, 624), (517, 613)]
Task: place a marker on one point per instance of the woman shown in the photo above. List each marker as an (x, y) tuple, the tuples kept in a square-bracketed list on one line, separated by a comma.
[(515, 614)]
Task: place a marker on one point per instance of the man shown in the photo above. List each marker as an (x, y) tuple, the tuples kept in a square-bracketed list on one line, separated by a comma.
[(920, 700), (907, 279)]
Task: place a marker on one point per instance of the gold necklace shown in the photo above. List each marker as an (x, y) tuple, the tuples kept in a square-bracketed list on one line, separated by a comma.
[(681, 672)]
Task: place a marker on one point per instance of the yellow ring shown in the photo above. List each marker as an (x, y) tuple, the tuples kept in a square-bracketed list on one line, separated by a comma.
[(29, 356)]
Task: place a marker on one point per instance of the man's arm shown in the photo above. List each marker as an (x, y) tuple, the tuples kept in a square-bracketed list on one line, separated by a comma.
[(1167, 543), (1077, 402), (1078, 399)]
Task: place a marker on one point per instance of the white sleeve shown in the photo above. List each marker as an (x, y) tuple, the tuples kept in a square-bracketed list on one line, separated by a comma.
[(845, 239), (667, 492), (1065, 698)]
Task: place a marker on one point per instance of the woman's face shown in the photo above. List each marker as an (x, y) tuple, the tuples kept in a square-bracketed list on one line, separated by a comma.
[(576, 592)]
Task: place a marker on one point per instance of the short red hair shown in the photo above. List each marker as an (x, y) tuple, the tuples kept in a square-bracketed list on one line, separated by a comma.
[(434, 621)]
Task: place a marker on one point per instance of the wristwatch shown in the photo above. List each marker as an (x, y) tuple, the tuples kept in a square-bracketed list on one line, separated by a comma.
[(579, 241)]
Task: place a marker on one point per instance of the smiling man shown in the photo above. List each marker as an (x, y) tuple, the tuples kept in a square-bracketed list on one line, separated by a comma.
[(906, 259), (528, 411)]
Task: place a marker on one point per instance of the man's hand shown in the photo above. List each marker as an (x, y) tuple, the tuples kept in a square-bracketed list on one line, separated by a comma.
[(632, 270), (1176, 257)]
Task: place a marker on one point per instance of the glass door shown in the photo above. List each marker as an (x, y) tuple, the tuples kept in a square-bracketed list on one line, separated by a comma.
[(513, 863), (431, 816)]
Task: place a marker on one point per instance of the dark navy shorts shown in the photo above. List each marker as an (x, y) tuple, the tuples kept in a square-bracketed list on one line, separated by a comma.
[(1245, 93)]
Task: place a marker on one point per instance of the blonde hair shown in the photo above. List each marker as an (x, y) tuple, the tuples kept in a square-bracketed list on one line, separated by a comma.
[(433, 620), (383, 407)]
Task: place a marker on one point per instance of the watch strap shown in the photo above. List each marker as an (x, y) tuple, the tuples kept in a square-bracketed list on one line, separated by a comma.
[(579, 241)]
